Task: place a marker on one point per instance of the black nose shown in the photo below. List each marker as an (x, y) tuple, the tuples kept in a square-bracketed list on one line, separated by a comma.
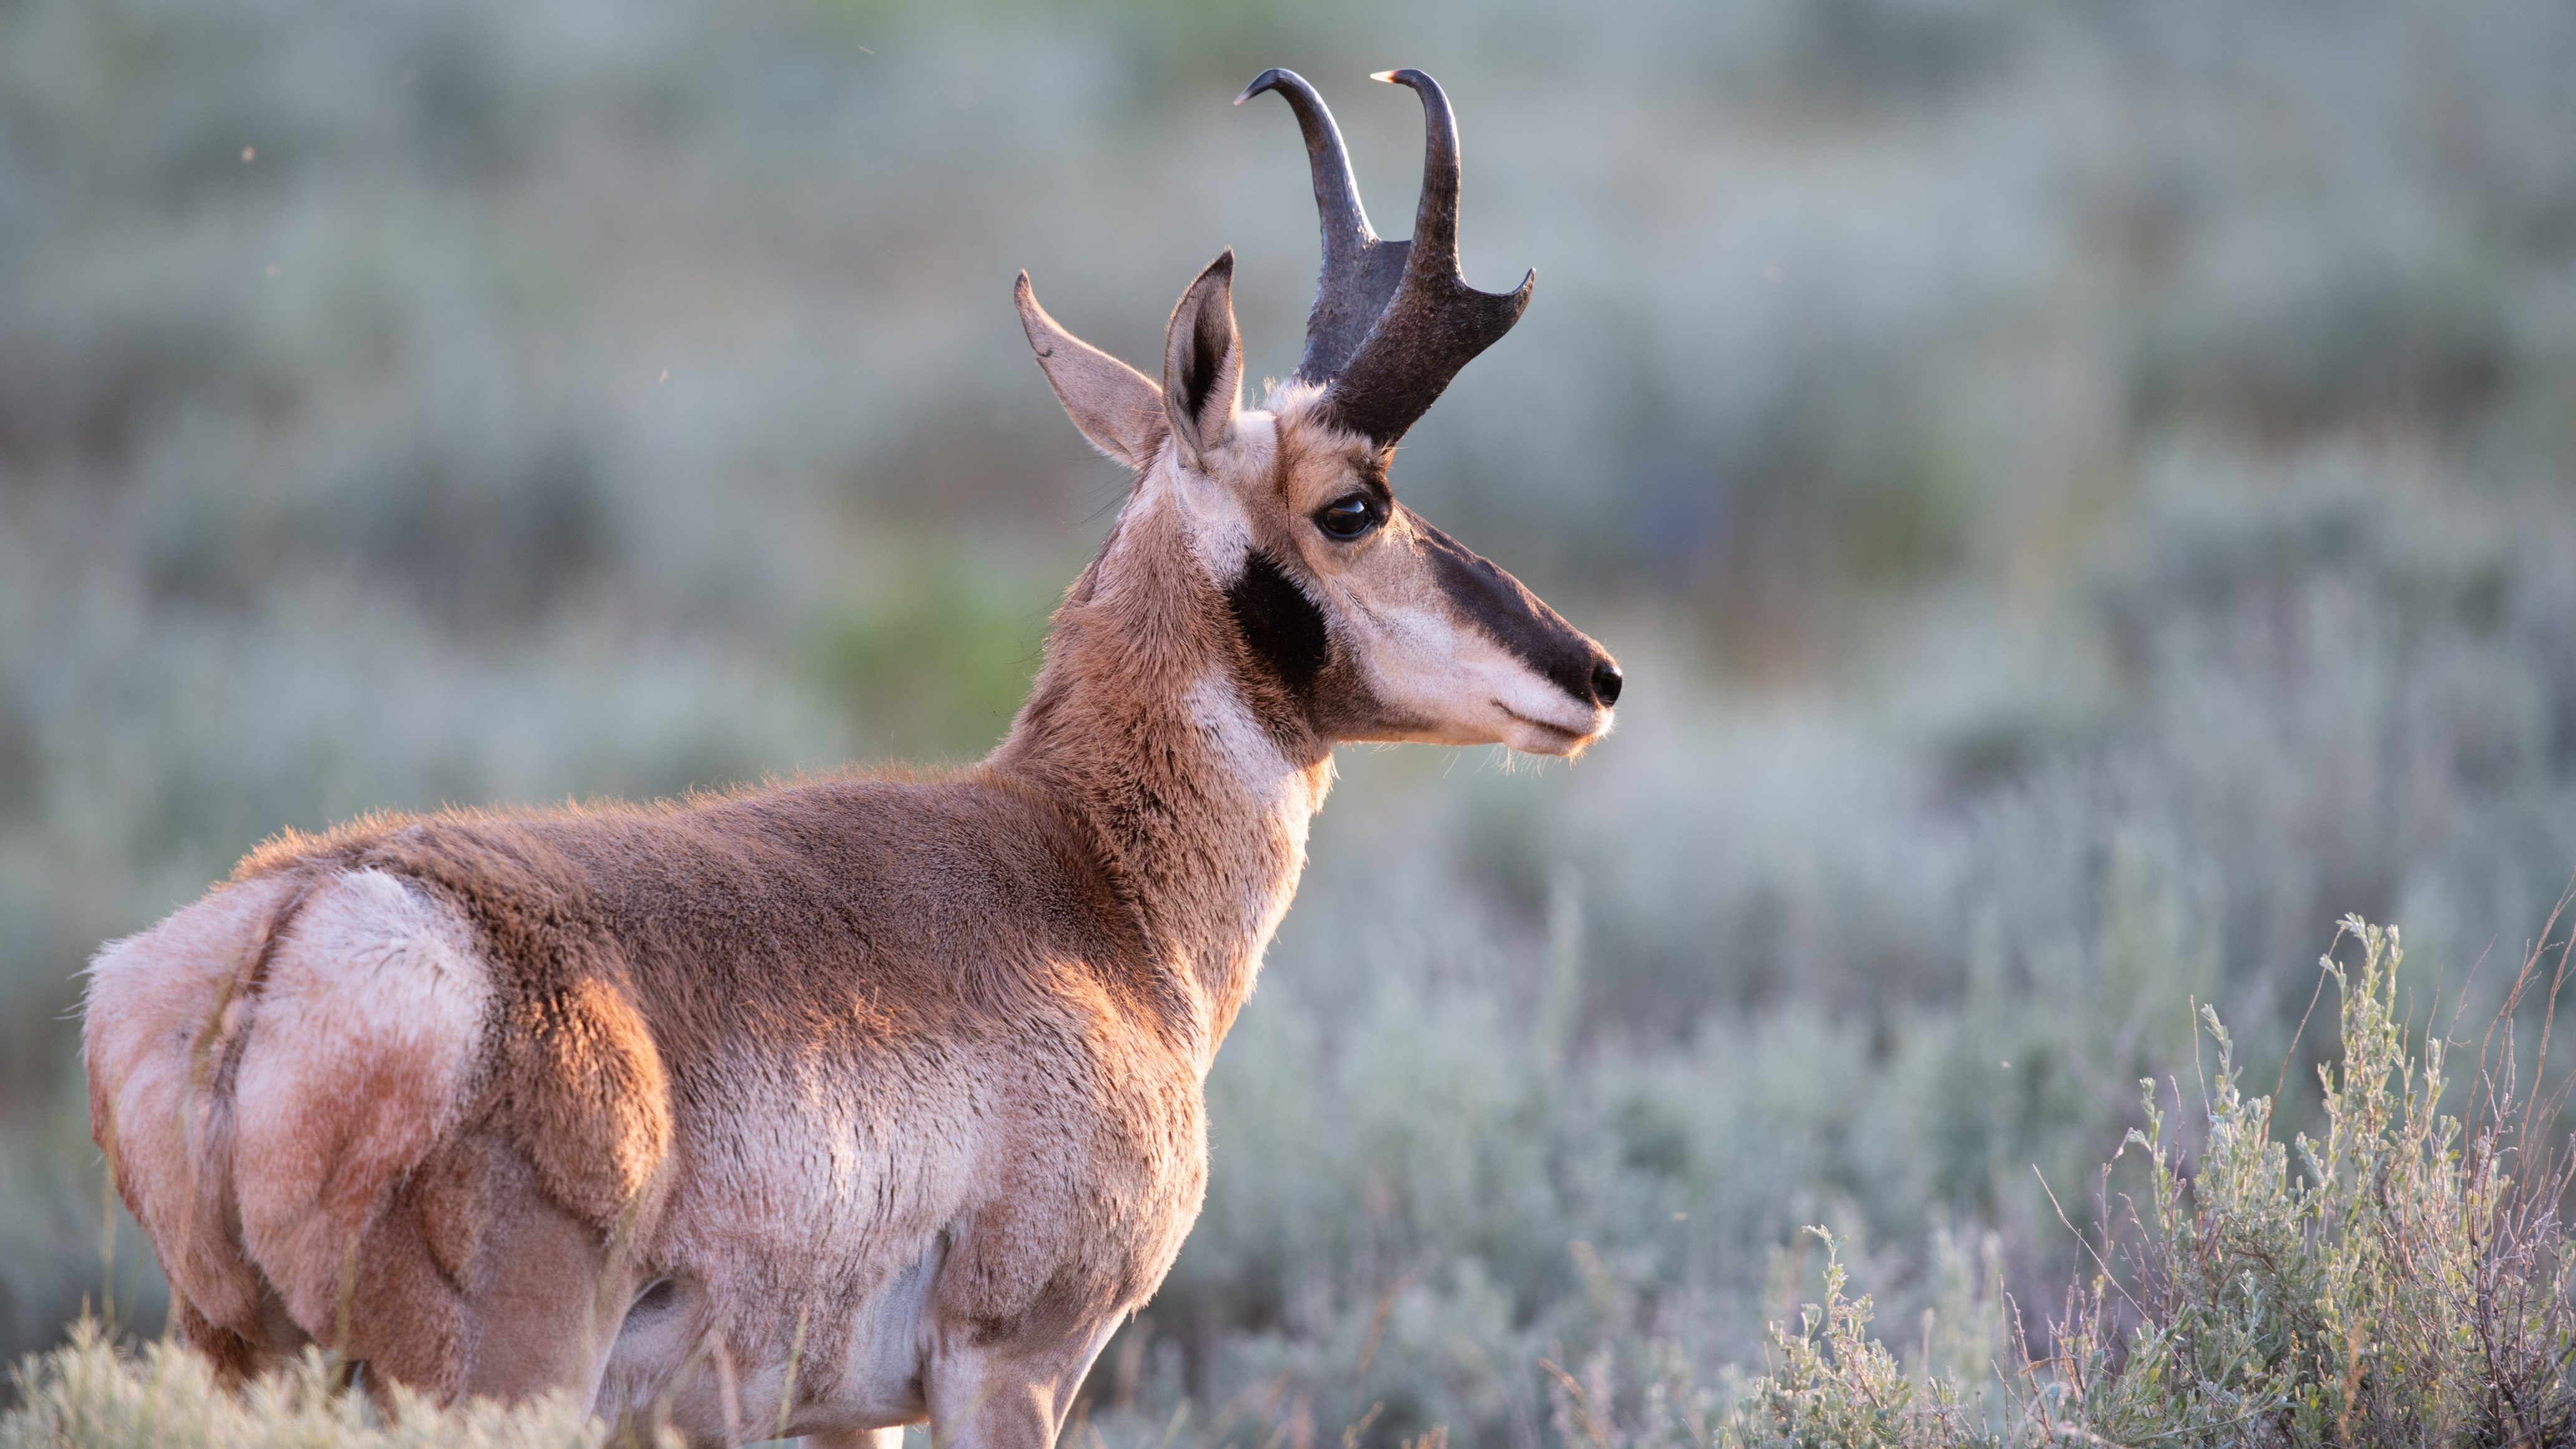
[(1605, 683)]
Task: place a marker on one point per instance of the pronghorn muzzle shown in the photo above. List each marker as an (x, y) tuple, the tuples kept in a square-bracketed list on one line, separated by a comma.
[(1504, 609)]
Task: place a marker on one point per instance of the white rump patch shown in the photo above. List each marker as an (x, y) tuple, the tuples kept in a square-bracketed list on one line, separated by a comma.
[(160, 1007), (364, 1041)]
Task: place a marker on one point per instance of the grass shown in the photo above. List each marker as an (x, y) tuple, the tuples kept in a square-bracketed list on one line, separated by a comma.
[(92, 1394), (2403, 1278)]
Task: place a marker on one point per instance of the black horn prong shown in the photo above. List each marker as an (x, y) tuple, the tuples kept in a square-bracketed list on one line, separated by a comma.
[(1435, 217), (1337, 192), (1435, 324), (1393, 321), (1360, 270)]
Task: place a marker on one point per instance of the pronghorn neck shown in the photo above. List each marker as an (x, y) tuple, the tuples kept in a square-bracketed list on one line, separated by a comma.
[(1143, 724)]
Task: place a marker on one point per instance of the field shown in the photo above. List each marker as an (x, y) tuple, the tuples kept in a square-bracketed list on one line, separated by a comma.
[(2085, 498)]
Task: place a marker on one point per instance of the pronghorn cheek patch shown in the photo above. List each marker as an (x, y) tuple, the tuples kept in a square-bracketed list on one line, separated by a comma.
[(1283, 626)]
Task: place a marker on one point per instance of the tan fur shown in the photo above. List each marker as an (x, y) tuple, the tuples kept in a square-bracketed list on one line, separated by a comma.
[(892, 1086)]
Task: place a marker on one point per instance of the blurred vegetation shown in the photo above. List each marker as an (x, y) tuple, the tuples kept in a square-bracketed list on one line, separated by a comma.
[(942, 654), (2085, 495), (2403, 1278)]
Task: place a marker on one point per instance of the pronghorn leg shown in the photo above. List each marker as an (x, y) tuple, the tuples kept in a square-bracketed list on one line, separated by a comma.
[(474, 1283), (983, 1398), (240, 1355), (989, 1405), (549, 1306)]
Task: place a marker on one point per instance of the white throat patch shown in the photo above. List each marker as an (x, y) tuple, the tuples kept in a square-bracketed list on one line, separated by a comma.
[(1248, 757), (1245, 751)]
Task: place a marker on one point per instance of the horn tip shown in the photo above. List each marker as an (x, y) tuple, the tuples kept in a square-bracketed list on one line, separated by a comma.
[(1270, 79), (1387, 76)]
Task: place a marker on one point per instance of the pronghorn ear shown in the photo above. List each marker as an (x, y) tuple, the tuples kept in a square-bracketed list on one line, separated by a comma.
[(1203, 363), (1118, 408)]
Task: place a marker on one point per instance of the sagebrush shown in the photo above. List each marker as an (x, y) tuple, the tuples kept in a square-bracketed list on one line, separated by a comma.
[(2402, 1280)]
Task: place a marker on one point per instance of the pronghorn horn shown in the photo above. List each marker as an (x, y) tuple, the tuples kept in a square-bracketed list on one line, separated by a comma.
[(1361, 269), (1435, 324)]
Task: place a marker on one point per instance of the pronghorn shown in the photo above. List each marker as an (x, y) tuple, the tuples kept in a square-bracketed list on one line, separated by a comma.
[(863, 1101)]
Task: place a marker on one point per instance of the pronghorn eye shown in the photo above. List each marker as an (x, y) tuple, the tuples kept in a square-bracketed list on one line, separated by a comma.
[(1347, 517)]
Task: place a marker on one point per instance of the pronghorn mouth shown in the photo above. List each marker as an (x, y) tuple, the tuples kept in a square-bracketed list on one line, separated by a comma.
[(1555, 731)]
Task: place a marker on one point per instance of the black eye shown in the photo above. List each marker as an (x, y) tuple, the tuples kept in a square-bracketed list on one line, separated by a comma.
[(1347, 517)]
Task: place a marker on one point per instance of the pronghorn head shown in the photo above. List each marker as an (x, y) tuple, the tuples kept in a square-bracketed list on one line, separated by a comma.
[(1372, 623)]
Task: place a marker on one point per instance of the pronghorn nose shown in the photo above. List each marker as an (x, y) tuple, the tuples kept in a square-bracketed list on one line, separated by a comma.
[(1605, 683)]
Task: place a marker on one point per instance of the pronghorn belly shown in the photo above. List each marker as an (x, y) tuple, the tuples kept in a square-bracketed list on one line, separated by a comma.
[(722, 1367), (820, 1186), (862, 1212), (881, 1366)]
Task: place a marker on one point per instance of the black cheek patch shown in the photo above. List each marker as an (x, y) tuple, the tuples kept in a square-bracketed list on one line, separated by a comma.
[(1283, 626)]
